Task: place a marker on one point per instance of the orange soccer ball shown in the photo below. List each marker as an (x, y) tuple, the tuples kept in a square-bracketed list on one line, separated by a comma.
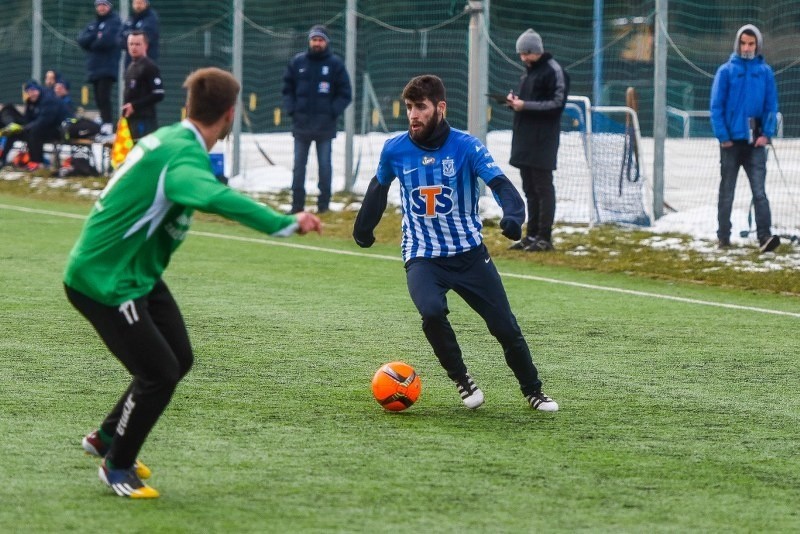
[(396, 386)]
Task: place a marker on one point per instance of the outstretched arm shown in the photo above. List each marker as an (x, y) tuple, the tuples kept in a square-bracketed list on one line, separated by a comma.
[(370, 214)]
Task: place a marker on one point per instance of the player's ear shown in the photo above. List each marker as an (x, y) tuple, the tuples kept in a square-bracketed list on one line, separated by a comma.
[(442, 107)]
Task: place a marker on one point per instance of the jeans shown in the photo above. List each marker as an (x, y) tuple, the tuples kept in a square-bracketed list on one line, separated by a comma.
[(754, 161), (301, 147), (537, 184)]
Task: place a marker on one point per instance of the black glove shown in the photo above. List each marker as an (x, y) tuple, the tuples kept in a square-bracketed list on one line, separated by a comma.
[(511, 228), (364, 240)]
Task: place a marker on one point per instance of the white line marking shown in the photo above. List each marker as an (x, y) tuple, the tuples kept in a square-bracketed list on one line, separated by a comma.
[(277, 243)]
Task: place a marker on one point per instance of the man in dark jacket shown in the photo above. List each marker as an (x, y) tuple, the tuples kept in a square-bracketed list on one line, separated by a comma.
[(537, 106), (744, 108), (99, 40), (143, 88), (142, 18), (316, 90), (43, 115)]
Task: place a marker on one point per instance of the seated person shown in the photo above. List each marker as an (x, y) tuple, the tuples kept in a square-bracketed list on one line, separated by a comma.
[(61, 89), (43, 115)]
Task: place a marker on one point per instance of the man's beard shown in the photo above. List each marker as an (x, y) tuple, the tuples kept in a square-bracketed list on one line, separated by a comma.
[(748, 55), (225, 131), (425, 133)]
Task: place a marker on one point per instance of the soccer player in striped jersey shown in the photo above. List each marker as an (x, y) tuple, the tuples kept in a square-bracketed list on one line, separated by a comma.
[(113, 275), (438, 168)]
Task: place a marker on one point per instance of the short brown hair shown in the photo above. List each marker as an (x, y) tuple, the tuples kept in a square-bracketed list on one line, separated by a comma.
[(425, 86), (211, 92)]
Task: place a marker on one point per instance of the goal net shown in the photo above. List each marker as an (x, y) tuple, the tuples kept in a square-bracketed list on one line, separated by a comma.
[(600, 176)]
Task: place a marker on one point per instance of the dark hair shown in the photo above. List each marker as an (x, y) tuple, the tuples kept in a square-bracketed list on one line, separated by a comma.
[(211, 93), (142, 33), (749, 32), (426, 86)]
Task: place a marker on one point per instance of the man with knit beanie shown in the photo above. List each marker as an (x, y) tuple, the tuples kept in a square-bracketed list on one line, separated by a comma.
[(99, 40), (316, 90), (537, 104)]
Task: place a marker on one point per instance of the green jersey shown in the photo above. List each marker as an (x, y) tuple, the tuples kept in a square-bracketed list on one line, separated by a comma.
[(145, 211)]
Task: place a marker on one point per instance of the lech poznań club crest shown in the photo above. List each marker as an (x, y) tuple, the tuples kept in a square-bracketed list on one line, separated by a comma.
[(448, 167)]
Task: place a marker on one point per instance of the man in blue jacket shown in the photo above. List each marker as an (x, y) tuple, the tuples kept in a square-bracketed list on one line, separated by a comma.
[(43, 115), (316, 90), (145, 19), (99, 40), (744, 107)]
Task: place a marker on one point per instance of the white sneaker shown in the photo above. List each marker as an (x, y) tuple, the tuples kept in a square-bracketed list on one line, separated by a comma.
[(471, 395), (107, 128), (543, 403)]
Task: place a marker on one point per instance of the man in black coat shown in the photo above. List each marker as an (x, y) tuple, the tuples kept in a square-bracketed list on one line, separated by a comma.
[(316, 90), (538, 104), (142, 18), (99, 40), (143, 88)]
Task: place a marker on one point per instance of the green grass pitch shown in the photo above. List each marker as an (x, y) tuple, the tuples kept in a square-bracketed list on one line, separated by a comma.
[(675, 416)]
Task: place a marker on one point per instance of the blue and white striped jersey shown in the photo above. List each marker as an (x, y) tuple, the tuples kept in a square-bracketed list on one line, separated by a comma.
[(439, 192)]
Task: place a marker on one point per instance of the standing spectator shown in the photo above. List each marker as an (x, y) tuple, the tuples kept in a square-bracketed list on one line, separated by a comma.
[(41, 121), (61, 90), (143, 88), (439, 169), (143, 18), (744, 108), (99, 40), (538, 104), (316, 90), (114, 273)]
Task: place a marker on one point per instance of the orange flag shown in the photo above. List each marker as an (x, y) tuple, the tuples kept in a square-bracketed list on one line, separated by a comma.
[(123, 143)]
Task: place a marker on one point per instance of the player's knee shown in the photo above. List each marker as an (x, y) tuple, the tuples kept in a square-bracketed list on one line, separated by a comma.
[(432, 312)]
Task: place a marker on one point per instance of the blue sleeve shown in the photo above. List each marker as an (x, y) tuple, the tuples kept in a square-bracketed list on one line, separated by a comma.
[(482, 162), (289, 87), (719, 101), (770, 118), (343, 91), (108, 40), (385, 173), (86, 37), (124, 30)]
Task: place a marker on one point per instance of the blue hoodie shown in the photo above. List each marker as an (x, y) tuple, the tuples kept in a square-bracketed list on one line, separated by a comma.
[(744, 89)]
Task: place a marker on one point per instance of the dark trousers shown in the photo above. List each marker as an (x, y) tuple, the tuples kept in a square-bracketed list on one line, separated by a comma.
[(141, 126), (540, 193), (102, 97), (472, 275), (754, 161), (35, 138), (149, 337), (301, 148)]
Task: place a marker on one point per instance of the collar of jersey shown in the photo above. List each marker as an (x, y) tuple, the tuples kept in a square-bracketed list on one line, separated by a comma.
[(186, 123)]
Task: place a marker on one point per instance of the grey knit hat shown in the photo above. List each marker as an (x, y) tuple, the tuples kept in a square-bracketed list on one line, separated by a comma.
[(318, 30), (530, 42)]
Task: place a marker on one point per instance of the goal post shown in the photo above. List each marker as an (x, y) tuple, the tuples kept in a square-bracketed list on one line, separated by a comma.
[(600, 161)]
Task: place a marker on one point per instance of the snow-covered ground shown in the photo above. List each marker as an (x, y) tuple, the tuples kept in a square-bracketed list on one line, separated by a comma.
[(690, 188), (690, 183)]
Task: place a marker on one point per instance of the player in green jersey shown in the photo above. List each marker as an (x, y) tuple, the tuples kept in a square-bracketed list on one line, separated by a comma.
[(113, 276)]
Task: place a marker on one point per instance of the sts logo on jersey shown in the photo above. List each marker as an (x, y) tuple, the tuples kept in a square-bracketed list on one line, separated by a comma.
[(431, 200)]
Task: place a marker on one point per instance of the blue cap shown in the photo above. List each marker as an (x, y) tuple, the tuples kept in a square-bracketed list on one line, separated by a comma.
[(32, 84)]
